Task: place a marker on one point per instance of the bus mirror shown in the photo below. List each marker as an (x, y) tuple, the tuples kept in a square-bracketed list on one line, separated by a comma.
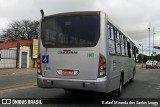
[(42, 13)]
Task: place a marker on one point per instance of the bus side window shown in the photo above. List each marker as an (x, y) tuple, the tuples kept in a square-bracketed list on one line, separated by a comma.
[(115, 35), (125, 46), (118, 42), (122, 44), (133, 51), (111, 40), (115, 39), (109, 32), (129, 49), (112, 33)]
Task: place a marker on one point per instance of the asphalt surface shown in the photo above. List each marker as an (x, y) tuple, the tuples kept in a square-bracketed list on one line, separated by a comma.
[(14, 77), (146, 84)]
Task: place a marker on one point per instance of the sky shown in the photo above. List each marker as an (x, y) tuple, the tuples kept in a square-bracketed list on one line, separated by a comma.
[(133, 16)]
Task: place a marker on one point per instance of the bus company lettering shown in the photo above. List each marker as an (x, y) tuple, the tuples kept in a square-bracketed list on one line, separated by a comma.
[(67, 52)]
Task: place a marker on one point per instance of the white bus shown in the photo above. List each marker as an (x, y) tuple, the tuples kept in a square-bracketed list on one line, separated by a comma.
[(84, 51)]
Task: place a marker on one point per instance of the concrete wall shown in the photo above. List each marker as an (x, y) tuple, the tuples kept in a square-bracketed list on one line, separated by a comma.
[(9, 57)]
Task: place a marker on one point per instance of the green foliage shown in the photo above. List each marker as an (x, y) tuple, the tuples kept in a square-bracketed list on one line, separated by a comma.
[(145, 58), (156, 47), (157, 57)]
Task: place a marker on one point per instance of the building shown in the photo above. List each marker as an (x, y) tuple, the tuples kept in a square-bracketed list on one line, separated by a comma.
[(9, 56)]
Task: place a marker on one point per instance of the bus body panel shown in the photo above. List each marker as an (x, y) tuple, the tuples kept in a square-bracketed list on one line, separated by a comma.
[(84, 60), (98, 85), (117, 65)]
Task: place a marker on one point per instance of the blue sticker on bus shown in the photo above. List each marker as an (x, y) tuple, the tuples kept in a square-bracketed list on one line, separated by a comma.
[(45, 59)]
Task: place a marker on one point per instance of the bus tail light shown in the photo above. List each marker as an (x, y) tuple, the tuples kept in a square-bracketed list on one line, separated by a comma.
[(38, 63), (102, 60), (38, 60), (39, 66), (102, 67)]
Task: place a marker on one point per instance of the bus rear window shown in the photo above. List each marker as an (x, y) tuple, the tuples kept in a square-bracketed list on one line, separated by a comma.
[(71, 31)]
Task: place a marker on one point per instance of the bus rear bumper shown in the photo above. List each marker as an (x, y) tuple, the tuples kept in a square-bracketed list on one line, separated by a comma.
[(99, 85)]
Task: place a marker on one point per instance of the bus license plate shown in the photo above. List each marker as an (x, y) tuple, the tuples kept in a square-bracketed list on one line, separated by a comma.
[(67, 72)]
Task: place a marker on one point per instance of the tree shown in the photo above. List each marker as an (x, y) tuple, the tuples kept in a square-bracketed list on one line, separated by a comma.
[(156, 47), (145, 58), (25, 29), (157, 57)]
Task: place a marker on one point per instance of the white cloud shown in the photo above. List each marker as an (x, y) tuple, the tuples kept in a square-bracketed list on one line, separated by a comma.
[(7, 3), (132, 16), (4, 23)]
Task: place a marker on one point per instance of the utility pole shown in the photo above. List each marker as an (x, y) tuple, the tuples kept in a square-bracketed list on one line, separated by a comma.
[(18, 51), (142, 54), (149, 40), (153, 43)]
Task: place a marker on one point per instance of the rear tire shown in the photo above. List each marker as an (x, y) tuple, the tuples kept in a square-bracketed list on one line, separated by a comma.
[(131, 80), (119, 90)]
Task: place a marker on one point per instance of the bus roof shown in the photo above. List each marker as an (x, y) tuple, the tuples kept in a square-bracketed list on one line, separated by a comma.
[(91, 13), (75, 13)]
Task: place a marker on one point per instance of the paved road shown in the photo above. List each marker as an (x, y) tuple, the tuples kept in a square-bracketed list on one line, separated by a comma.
[(15, 77), (146, 85)]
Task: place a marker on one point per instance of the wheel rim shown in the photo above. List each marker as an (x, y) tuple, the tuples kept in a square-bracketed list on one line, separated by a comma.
[(120, 87)]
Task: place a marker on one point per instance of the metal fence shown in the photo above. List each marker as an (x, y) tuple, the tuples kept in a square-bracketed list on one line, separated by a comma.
[(8, 58)]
